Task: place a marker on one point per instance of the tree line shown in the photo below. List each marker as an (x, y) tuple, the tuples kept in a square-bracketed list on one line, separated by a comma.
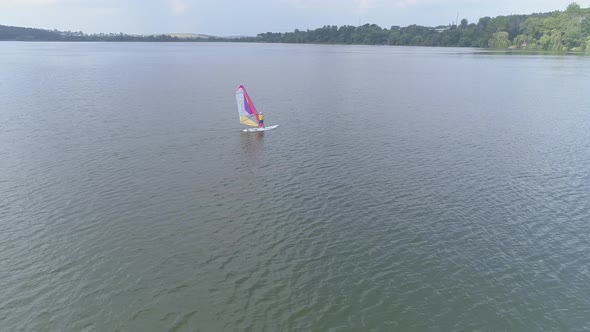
[(30, 34), (559, 31), (567, 30)]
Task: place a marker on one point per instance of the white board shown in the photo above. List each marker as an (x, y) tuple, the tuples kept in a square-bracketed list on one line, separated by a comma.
[(260, 129)]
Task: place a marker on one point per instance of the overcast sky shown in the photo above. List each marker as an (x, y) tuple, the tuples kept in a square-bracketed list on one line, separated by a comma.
[(249, 17)]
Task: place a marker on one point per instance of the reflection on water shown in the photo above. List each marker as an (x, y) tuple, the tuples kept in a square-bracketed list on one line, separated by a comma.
[(252, 145)]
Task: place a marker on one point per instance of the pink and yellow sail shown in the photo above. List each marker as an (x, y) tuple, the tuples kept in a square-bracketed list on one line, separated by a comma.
[(246, 109)]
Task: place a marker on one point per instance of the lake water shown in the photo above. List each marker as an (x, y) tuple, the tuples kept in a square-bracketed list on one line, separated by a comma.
[(405, 189)]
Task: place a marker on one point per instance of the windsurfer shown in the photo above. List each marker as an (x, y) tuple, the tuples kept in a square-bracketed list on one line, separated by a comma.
[(260, 120)]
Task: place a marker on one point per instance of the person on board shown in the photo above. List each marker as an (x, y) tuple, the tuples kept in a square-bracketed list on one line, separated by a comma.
[(261, 120)]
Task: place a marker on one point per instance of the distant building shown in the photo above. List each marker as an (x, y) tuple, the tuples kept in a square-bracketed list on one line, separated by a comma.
[(441, 28)]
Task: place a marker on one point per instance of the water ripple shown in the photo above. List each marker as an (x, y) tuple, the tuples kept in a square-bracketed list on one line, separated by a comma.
[(128, 204)]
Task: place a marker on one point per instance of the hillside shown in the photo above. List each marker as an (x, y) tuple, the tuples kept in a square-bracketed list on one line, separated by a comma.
[(31, 34), (567, 30)]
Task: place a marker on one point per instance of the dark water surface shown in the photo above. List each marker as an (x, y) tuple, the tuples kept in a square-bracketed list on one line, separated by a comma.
[(405, 189)]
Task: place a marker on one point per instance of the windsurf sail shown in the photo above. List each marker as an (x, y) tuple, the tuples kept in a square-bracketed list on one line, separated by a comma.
[(246, 109)]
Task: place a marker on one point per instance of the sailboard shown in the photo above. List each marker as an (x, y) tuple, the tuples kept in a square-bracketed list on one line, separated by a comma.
[(248, 130), (247, 111)]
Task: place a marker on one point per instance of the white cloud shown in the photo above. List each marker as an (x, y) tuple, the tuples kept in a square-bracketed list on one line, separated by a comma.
[(297, 3), (365, 5), (406, 3), (178, 7), (362, 6), (28, 2)]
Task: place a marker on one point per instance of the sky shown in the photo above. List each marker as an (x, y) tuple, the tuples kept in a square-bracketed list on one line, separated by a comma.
[(250, 17)]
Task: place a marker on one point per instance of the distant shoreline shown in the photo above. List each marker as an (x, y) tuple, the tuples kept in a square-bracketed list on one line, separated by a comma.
[(557, 32)]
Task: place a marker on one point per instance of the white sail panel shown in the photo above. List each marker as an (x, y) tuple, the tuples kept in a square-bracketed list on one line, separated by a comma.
[(246, 109)]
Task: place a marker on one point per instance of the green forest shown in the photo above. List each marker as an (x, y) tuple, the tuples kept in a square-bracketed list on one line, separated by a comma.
[(559, 31)]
